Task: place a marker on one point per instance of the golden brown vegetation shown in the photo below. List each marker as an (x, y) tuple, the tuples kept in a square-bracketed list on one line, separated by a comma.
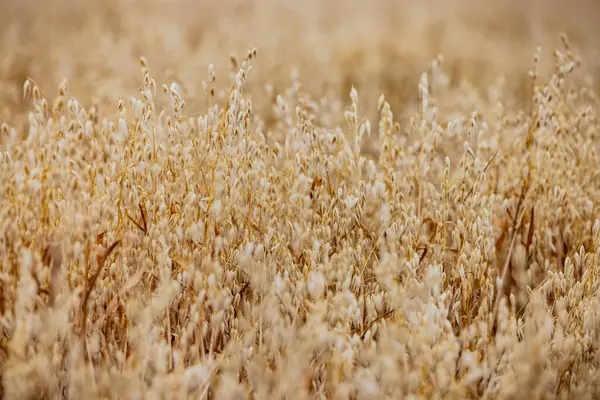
[(386, 200)]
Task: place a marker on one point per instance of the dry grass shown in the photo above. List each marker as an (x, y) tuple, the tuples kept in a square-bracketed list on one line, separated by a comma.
[(384, 200)]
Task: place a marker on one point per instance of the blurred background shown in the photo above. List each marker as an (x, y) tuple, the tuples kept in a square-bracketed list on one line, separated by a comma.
[(376, 45)]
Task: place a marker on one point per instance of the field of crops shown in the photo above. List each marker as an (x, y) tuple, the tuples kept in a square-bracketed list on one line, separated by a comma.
[(285, 199)]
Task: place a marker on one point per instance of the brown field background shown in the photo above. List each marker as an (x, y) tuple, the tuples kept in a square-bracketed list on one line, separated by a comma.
[(377, 46)]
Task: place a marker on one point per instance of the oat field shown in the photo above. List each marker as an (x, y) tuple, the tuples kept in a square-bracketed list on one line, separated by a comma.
[(317, 199)]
